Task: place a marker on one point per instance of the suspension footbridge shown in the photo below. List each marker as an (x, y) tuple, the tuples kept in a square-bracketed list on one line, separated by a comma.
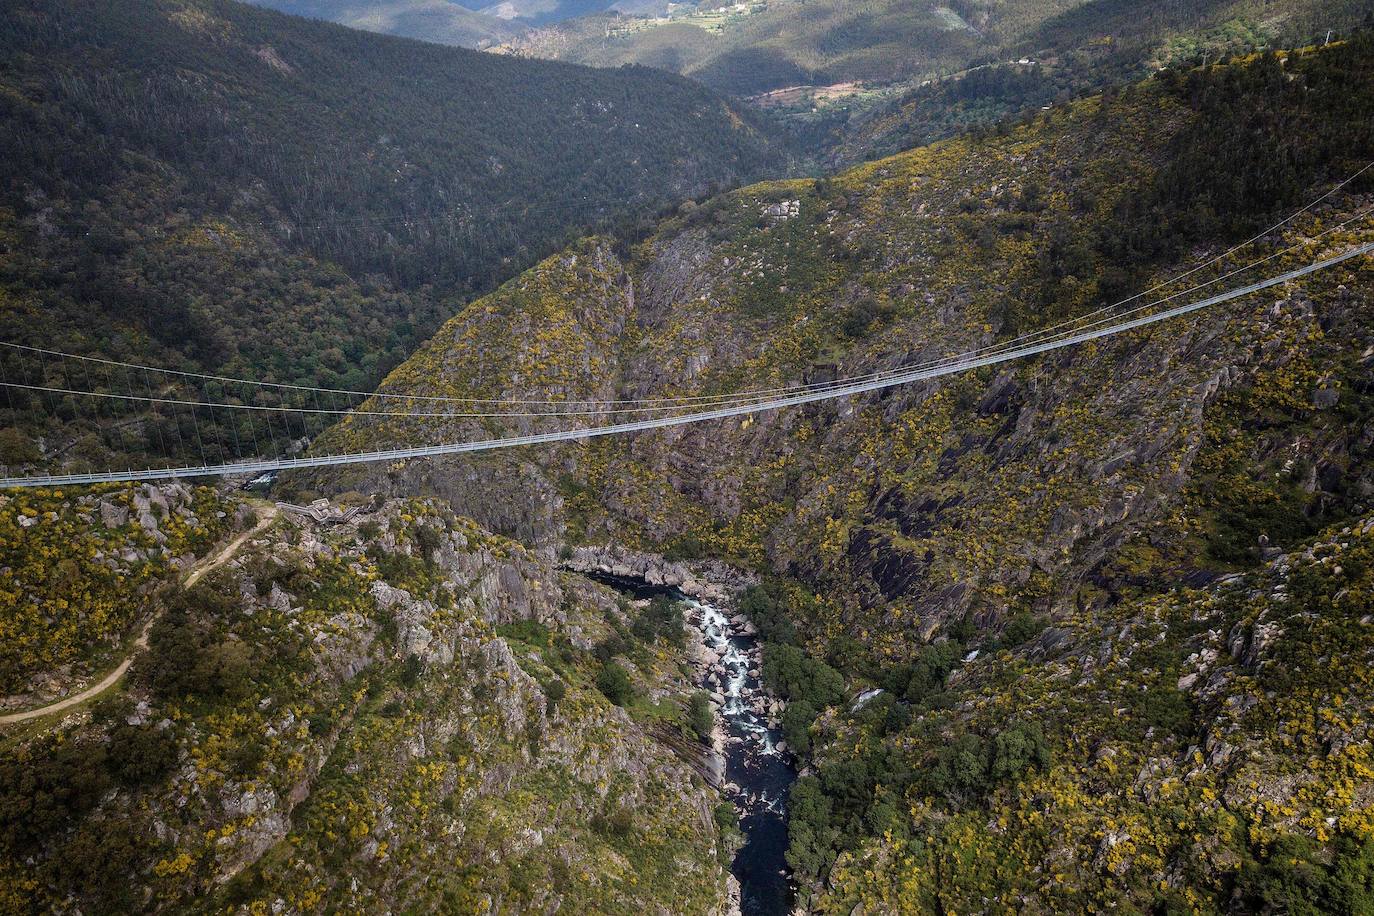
[(263, 426)]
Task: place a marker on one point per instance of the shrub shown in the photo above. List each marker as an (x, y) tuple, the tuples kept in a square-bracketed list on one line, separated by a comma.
[(1021, 629), (321, 722), (553, 695), (141, 754), (686, 547), (428, 540), (926, 673), (619, 825), (1016, 750), (700, 717), (661, 619), (1165, 708), (609, 648), (614, 682), (530, 632), (727, 818), (411, 670), (862, 315)]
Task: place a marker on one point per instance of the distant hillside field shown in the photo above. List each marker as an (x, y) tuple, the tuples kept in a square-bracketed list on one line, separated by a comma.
[(780, 43), (207, 185), (471, 24)]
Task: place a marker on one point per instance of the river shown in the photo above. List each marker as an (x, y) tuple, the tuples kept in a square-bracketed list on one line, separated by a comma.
[(758, 775)]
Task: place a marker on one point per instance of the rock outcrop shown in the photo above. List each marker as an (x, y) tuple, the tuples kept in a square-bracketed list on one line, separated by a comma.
[(710, 580), (363, 714)]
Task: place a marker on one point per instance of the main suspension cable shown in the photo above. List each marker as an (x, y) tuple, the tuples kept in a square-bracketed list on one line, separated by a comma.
[(396, 454)]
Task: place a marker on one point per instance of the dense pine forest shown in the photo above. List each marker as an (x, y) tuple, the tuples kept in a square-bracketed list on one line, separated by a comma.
[(203, 184)]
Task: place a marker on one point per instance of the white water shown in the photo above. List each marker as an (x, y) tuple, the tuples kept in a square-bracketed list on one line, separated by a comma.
[(864, 697), (739, 689), (759, 774)]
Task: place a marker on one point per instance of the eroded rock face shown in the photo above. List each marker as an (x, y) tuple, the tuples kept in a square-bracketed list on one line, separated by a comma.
[(710, 580), (1019, 485), (382, 725)]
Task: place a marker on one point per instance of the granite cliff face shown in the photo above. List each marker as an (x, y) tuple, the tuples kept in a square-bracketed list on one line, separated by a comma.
[(394, 711), (1028, 485)]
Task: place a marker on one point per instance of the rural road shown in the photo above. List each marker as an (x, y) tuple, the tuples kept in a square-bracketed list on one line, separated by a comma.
[(268, 514)]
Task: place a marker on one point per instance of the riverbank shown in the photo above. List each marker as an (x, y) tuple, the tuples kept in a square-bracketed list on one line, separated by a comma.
[(748, 755)]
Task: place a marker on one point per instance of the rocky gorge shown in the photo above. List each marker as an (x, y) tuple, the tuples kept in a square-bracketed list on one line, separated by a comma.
[(396, 707), (1086, 632), (937, 547), (748, 759)]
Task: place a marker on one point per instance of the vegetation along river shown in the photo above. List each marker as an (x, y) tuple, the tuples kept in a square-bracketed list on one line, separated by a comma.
[(758, 773)]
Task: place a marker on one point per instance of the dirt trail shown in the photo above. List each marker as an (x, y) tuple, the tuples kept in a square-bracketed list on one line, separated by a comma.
[(268, 514)]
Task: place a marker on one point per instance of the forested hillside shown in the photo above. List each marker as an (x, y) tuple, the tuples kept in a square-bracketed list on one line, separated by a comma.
[(1086, 48), (998, 551), (206, 185)]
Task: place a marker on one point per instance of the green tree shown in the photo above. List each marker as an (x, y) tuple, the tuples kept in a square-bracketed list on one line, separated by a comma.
[(796, 726), (614, 682), (700, 716), (1016, 750)]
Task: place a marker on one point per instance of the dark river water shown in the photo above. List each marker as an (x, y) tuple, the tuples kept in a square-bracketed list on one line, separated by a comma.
[(758, 775)]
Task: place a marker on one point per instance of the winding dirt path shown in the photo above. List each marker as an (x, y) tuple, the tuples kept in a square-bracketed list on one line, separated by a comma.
[(268, 514)]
